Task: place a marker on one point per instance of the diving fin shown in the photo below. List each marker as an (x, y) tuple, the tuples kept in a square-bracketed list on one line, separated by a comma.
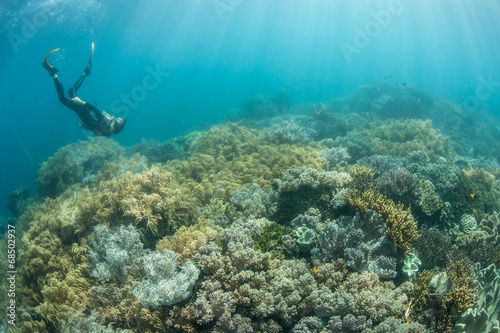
[(47, 65), (89, 65)]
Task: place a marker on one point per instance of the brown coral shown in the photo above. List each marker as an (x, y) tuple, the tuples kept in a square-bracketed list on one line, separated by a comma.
[(463, 285), (402, 227)]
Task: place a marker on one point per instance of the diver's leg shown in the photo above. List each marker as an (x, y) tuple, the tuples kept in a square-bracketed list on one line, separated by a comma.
[(60, 89), (76, 86), (86, 72)]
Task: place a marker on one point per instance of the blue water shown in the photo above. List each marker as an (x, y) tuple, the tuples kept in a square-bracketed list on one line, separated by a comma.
[(209, 56)]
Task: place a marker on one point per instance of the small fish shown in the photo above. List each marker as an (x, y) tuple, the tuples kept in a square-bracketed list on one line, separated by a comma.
[(418, 100), (315, 271), (404, 84), (473, 195)]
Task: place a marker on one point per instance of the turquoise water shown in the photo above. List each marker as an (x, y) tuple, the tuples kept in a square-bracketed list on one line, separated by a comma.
[(220, 53)]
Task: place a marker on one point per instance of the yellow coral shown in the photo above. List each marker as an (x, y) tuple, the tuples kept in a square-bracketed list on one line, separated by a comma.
[(463, 286), (362, 177), (186, 241), (402, 227), (231, 156)]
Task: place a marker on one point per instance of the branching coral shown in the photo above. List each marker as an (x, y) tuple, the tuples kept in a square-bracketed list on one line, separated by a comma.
[(402, 227), (463, 285)]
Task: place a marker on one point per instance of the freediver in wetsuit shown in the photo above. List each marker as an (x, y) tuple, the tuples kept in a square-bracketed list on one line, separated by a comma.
[(100, 123)]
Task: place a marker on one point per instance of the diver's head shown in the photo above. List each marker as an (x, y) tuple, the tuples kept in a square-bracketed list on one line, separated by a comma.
[(117, 125)]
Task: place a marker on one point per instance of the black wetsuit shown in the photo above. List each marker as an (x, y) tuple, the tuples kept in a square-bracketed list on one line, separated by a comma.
[(92, 118)]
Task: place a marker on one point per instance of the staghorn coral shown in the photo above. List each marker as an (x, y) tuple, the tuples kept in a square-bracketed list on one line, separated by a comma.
[(361, 242), (402, 228), (362, 177), (434, 248)]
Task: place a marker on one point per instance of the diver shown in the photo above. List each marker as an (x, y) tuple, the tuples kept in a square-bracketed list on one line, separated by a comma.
[(100, 123)]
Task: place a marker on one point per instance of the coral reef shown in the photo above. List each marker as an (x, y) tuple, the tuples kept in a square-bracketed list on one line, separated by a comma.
[(75, 163), (303, 188), (399, 138), (162, 152), (187, 240), (17, 200), (230, 156), (296, 219), (361, 242), (484, 316), (254, 201), (166, 282), (402, 228)]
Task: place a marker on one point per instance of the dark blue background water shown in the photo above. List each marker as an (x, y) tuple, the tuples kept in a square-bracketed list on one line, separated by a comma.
[(219, 53)]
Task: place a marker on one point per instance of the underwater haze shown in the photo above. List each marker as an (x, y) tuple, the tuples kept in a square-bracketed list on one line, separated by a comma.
[(313, 166), (212, 55)]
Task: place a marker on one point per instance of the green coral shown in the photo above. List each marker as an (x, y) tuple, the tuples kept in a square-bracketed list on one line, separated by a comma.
[(271, 240)]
